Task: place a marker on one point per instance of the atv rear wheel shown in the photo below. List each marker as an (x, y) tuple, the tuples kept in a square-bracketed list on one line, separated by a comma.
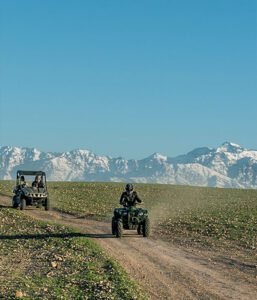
[(119, 228), (23, 204), (139, 229), (146, 227)]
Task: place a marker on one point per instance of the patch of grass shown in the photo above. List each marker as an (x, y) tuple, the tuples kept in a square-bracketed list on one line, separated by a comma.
[(220, 215), (6, 187), (84, 198), (41, 260)]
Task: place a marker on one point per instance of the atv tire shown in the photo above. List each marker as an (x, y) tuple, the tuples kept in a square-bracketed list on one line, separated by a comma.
[(139, 229), (23, 204), (114, 225), (146, 227), (119, 227)]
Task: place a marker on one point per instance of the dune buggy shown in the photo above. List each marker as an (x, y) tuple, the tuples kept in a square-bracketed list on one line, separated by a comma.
[(27, 194)]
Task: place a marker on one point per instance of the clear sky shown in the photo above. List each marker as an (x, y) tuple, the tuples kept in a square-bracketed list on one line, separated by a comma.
[(128, 78)]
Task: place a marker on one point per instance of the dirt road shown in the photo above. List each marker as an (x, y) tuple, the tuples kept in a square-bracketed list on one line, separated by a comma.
[(163, 270)]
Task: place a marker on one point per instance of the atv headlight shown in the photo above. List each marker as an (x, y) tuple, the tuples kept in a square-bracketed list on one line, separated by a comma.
[(141, 213)]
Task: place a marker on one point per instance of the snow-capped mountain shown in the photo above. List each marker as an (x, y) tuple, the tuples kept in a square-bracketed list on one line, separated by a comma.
[(229, 165)]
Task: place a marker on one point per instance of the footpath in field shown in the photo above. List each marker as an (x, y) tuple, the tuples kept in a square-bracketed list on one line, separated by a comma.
[(163, 270)]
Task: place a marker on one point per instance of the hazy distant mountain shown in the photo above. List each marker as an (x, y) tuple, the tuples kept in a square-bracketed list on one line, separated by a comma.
[(227, 166)]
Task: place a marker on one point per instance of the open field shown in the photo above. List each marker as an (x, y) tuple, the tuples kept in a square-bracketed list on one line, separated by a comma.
[(203, 244), (40, 260), (186, 215)]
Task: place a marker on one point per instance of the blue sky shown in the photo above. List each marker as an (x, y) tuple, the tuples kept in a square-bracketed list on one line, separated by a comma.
[(128, 78)]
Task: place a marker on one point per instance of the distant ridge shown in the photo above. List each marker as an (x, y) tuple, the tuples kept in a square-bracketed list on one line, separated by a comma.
[(229, 165)]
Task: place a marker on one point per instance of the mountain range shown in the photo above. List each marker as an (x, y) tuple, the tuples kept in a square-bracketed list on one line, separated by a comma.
[(229, 165)]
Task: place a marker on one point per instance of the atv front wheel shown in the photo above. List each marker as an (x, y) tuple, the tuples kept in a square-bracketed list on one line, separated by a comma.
[(119, 228), (146, 227), (114, 225)]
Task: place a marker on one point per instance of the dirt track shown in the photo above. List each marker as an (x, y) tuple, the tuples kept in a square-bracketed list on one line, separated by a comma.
[(163, 270)]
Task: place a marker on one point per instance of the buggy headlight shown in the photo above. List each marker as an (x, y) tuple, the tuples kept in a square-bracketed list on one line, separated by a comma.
[(141, 214)]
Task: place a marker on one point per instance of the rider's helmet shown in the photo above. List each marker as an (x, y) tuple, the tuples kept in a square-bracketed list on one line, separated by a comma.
[(129, 187)]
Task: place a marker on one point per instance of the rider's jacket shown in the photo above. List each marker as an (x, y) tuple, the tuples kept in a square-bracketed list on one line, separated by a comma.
[(129, 199)]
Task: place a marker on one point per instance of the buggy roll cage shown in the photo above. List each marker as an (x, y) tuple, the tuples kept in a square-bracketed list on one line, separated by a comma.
[(30, 173)]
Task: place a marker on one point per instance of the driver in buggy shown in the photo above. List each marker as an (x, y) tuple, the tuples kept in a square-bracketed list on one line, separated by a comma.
[(23, 182), (129, 197), (38, 182), (21, 185)]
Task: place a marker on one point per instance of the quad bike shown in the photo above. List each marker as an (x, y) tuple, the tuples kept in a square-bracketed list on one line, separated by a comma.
[(130, 218), (25, 194)]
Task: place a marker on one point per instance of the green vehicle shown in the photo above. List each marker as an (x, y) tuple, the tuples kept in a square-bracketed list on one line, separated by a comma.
[(28, 193), (130, 218)]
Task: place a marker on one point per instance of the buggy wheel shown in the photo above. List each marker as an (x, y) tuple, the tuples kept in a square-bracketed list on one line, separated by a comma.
[(14, 202), (114, 225), (119, 228), (23, 204), (146, 227), (47, 204), (139, 229)]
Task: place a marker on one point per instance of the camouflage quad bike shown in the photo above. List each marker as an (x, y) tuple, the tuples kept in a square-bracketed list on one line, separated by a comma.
[(130, 218), (26, 195)]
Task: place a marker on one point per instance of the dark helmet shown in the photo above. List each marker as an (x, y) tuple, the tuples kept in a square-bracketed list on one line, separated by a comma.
[(22, 178), (129, 187)]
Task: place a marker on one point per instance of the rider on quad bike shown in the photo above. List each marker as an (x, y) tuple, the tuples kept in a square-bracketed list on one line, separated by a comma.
[(130, 217), (129, 197)]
